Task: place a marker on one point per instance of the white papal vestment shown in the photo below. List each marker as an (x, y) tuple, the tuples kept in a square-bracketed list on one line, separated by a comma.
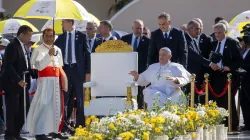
[(160, 87), (44, 115)]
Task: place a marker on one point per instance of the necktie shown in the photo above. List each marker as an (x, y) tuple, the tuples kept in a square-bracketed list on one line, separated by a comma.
[(218, 49), (69, 49), (90, 44), (135, 43), (196, 46), (166, 36)]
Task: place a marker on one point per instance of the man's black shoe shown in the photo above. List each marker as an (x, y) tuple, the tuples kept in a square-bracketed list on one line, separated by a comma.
[(244, 129), (9, 138), (42, 137), (59, 136), (20, 138)]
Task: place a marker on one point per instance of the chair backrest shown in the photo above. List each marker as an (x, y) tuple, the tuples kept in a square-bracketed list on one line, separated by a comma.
[(110, 72)]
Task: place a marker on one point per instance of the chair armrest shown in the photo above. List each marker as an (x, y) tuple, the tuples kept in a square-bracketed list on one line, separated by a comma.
[(132, 84), (89, 84)]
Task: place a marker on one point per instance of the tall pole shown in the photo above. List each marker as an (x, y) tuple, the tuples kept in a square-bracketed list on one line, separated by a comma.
[(192, 90)]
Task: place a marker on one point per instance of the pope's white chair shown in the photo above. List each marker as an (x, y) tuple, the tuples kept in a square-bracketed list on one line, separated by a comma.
[(110, 80)]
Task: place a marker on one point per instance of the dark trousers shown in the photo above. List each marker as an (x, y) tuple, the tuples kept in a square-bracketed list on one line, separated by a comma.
[(1, 107), (140, 97), (15, 112), (245, 104), (218, 82), (76, 83)]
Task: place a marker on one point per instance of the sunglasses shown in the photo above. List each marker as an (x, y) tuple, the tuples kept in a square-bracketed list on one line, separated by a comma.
[(145, 33)]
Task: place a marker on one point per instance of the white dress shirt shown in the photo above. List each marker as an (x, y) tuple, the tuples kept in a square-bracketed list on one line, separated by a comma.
[(72, 49), (92, 43), (245, 53), (24, 52), (108, 38), (222, 46), (133, 40), (168, 32)]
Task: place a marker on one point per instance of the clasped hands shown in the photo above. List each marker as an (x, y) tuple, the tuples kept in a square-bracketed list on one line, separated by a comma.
[(215, 67)]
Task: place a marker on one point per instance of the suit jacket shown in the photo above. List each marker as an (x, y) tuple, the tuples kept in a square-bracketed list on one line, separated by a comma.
[(13, 67), (246, 67), (142, 50), (213, 37), (205, 45), (232, 57), (195, 59), (82, 51), (175, 41), (97, 42)]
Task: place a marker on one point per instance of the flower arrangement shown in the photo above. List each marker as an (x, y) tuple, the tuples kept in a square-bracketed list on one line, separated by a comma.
[(171, 120), (114, 46)]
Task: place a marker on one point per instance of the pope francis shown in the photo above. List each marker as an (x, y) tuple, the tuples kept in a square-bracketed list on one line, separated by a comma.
[(165, 77)]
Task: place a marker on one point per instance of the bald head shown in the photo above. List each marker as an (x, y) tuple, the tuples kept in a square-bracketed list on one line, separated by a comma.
[(138, 27)]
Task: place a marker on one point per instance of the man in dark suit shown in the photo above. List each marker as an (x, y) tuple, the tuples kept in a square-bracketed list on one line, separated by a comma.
[(91, 33), (105, 29), (76, 57), (140, 44), (195, 60), (227, 55), (245, 88), (167, 36), (216, 20), (204, 41), (16, 62)]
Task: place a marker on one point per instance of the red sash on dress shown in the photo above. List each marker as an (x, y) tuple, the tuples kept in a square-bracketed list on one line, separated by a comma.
[(57, 72)]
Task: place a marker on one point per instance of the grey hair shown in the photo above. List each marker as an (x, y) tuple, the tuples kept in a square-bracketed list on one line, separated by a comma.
[(166, 49), (192, 23), (225, 23), (138, 21), (220, 25), (93, 23), (198, 20), (164, 15)]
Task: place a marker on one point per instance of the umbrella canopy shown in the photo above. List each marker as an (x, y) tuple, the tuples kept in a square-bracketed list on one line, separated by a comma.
[(79, 25), (242, 17), (236, 28), (49, 9), (12, 26)]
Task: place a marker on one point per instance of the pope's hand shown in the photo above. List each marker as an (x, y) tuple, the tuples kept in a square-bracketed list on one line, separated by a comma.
[(135, 74), (174, 79)]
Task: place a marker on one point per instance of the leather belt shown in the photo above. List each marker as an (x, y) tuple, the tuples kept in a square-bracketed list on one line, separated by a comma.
[(70, 65)]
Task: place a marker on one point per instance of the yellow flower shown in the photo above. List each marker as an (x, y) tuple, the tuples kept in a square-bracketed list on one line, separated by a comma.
[(133, 131), (193, 135), (112, 126), (97, 137), (126, 136), (160, 119), (158, 129), (145, 136)]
